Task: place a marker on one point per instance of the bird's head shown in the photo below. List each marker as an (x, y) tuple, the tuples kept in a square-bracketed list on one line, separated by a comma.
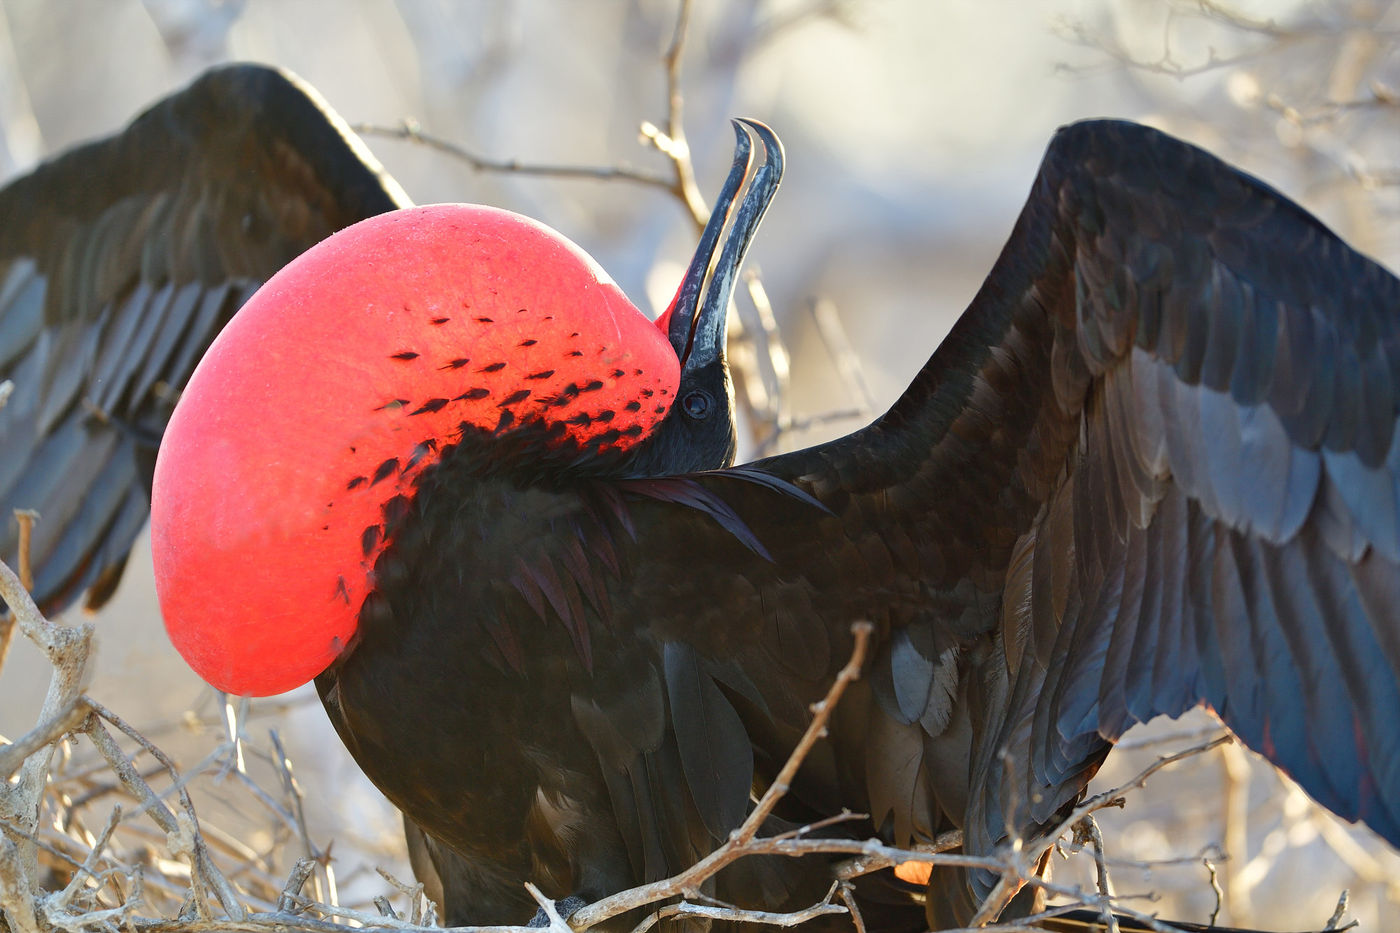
[(305, 429)]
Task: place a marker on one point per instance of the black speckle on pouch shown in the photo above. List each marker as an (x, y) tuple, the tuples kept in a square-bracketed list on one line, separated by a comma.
[(430, 406), (385, 470)]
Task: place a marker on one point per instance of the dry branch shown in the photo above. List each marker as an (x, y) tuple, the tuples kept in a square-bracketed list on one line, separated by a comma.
[(1022, 858)]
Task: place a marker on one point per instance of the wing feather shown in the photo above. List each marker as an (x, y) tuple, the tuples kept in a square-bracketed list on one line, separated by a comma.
[(1235, 470)]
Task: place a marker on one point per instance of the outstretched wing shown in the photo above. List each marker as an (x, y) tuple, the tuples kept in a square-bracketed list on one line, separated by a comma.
[(1226, 530), (1153, 466), (119, 262)]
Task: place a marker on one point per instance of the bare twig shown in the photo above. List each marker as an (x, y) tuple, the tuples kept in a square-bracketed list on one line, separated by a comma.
[(67, 650), (89, 867), (759, 362), (846, 891), (26, 519), (862, 865), (1215, 888), (1023, 857), (183, 835), (738, 915), (295, 882), (673, 142), (68, 719), (1234, 766), (843, 355), (14, 591), (411, 131), (670, 142), (1339, 913), (848, 369), (293, 791), (414, 893), (1088, 827), (556, 922)]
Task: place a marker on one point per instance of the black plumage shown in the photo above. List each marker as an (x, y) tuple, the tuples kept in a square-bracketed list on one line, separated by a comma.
[(1132, 480)]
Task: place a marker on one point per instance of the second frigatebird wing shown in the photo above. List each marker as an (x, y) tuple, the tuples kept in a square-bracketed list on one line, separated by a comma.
[(119, 262)]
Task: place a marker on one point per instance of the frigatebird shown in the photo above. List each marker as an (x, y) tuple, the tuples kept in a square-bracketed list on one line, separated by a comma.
[(1151, 467), (118, 272)]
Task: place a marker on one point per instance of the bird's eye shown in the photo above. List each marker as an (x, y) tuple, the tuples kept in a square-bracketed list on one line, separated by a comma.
[(696, 404)]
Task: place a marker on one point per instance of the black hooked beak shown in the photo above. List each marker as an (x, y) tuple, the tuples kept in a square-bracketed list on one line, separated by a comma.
[(699, 316)]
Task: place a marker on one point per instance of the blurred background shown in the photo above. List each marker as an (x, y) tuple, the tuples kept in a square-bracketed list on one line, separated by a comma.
[(912, 129)]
